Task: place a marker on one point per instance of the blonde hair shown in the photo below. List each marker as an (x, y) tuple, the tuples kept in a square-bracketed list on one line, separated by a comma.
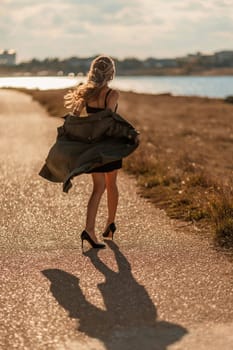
[(101, 71)]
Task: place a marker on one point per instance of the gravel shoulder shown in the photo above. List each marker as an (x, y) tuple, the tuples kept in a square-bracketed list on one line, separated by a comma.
[(155, 287)]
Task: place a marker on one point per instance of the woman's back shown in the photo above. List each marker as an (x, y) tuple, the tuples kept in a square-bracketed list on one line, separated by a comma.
[(100, 102), (106, 99)]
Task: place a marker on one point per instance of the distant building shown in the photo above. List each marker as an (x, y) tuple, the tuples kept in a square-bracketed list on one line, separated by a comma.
[(224, 57), (190, 58), (7, 57), (159, 63), (166, 62)]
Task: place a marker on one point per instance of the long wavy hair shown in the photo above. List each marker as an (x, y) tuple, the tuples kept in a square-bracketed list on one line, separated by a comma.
[(101, 71)]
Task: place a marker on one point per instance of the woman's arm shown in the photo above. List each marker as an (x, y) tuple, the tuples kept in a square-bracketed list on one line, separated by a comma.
[(112, 100)]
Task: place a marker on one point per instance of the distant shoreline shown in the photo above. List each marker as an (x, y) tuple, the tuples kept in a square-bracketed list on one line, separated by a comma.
[(180, 72), (5, 72)]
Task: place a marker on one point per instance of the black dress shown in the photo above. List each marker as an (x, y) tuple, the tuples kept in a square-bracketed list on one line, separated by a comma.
[(117, 164)]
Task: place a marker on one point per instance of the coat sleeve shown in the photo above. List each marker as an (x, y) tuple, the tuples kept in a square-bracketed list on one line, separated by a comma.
[(122, 128)]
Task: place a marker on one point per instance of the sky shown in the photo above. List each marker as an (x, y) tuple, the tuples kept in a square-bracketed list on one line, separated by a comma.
[(119, 28)]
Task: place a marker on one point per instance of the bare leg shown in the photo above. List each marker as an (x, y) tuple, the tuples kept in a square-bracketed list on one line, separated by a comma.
[(93, 203), (112, 195)]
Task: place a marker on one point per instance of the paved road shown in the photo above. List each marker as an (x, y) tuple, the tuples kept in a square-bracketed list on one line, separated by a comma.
[(155, 287)]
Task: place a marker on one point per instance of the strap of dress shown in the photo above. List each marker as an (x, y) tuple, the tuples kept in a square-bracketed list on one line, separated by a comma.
[(106, 97)]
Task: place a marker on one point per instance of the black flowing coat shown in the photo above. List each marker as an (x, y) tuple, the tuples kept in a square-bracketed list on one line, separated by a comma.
[(84, 143)]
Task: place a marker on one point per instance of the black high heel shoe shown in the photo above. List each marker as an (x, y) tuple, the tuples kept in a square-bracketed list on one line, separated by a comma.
[(85, 236), (110, 228)]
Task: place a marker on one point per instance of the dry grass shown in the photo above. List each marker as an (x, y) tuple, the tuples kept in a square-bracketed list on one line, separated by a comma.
[(222, 214), (185, 152), (52, 100)]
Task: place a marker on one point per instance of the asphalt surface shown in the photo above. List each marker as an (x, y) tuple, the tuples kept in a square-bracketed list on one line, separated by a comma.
[(155, 287)]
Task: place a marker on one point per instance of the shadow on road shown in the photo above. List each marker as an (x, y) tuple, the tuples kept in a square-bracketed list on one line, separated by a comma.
[(129, 321)]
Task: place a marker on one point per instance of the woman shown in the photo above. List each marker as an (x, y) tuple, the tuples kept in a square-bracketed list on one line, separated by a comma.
[(95, 144), (95, 96)]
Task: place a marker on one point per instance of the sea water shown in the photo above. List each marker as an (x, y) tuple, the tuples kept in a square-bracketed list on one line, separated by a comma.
[(214, 86)]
